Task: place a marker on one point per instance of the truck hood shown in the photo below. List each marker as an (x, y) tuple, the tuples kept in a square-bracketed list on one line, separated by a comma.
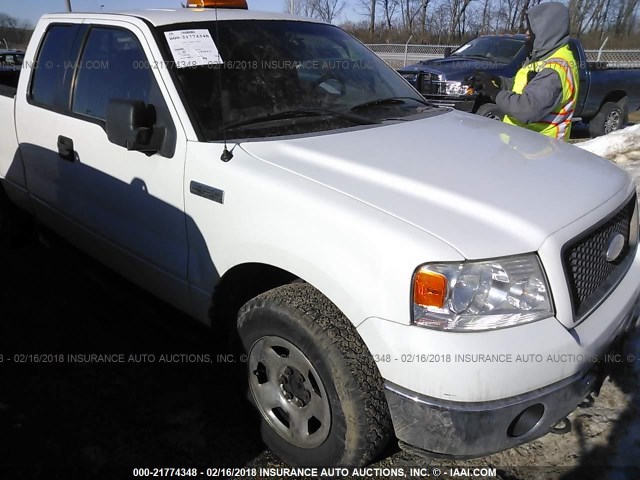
[(458, 68), (486, 188)]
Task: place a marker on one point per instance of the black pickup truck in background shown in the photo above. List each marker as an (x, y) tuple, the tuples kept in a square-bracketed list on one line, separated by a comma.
[(606, 96), (10, 66)]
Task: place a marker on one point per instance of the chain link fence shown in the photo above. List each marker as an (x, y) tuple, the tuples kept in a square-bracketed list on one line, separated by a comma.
[(397, 55)]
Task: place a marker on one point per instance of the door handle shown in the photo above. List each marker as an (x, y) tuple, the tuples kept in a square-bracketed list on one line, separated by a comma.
[(65, 148)]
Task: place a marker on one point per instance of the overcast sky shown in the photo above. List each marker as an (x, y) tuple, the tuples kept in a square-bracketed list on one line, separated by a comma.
[(32, 10)]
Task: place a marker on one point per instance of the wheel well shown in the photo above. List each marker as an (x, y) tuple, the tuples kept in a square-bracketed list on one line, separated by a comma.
[(241, 284), (615, 97)]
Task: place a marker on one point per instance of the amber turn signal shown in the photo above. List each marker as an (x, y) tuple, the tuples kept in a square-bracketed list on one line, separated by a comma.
[(242, 4), (429, 289)]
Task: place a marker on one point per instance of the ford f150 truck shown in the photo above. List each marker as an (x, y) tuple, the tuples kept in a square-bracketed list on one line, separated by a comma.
[(269, 173), (606, 96)]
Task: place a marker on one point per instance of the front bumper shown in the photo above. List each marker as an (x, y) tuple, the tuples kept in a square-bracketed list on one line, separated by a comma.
[(474, 429)]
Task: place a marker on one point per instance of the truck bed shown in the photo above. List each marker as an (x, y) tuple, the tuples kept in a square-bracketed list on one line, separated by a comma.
[(8, 81), (7, 91)]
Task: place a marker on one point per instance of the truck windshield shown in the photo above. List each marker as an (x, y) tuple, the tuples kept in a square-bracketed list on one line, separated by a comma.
[(284, 78), (494, 49)]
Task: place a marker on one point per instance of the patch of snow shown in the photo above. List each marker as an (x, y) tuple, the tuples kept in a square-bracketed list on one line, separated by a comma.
[(621, 146)]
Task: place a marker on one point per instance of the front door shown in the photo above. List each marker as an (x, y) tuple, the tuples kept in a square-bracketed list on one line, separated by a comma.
[(131, 202)]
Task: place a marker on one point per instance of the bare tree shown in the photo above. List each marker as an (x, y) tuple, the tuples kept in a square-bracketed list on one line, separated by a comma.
[(423, 18), (486, 15), (389, 8), (328, 10), (372, 17), (410, 10), (458, 11), (625, 17), (369, 9), (303, 8)]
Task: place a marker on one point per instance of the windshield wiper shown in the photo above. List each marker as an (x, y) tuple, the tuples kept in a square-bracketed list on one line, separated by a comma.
[(388, 101), (302, 113)]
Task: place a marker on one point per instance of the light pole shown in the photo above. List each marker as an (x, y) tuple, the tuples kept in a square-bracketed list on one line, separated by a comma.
[(291, 6)]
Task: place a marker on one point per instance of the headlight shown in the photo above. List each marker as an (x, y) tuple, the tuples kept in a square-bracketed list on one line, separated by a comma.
[(410, 77), (487, 295), (457, 88)]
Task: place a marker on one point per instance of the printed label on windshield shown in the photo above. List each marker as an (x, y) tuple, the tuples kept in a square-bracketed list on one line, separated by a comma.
[(191, 48)]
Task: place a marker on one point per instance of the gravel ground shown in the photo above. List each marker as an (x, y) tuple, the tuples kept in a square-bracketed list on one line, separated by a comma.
[(61, 417)]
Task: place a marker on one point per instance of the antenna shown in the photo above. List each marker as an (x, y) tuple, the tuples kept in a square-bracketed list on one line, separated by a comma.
[(69, 6), (226, 153)]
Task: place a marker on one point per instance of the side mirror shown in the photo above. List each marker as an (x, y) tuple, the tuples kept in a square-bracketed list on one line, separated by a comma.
[(130, 124), (447, 51)]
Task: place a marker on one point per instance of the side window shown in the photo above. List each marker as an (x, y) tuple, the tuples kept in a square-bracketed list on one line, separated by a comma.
[(113, 66), (54, 66)]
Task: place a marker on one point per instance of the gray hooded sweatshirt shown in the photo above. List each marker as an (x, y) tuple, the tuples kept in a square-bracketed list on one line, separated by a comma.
[(549, 22)]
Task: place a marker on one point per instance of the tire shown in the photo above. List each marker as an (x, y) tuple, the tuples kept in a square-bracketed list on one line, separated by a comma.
[(608, 119), (490, 110), (312, 379)]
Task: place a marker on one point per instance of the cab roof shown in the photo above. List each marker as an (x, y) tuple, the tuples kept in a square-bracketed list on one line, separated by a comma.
[(167, 16), (517, 36)]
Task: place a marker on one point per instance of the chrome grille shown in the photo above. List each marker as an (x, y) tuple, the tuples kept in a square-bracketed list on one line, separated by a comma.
[(590, 275), (430, 84)]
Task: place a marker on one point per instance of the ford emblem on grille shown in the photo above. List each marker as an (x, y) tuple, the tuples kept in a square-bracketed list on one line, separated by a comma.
[(615, 247)]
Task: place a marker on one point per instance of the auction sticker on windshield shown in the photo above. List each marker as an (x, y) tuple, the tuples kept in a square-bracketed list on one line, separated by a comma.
[(192, 48)]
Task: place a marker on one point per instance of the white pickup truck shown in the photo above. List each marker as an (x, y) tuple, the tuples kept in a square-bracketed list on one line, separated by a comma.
[(390, 267)]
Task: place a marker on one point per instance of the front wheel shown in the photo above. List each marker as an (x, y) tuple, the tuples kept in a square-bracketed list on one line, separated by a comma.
[(490, 110), (312, 379)]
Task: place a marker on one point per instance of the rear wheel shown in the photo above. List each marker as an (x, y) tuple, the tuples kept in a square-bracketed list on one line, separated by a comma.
[(609, 119), (312, 379), (490, 110)]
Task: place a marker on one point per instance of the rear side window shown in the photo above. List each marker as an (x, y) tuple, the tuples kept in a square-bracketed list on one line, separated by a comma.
[(113, 66), (54, 67)]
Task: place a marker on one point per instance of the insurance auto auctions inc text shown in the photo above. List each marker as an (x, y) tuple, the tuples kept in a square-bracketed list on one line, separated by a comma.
[(377, 472)]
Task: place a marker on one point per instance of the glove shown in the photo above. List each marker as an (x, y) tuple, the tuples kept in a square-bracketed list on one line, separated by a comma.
[(489, 85), (486, 77), (474, 82)]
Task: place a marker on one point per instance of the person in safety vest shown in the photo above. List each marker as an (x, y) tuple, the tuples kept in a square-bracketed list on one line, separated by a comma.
[(543, 94)]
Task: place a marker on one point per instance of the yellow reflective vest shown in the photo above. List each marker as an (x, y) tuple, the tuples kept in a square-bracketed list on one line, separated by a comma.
[(557, 124)]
